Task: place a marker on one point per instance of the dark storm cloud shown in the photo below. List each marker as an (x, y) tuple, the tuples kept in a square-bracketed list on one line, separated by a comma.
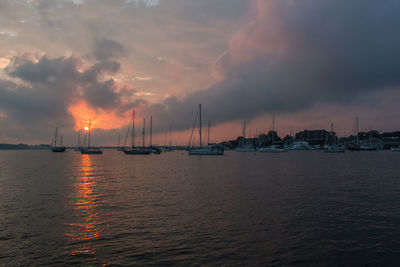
[(296, 54), (102, 94), (48, 87), (105, 49), (97, 70)]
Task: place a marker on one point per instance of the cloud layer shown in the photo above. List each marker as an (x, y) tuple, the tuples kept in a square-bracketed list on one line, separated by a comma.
[(240, 59), (296, 54)]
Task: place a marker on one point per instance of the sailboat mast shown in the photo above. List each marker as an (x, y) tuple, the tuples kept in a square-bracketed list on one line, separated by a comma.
[(273, 129), (133, 128), (79, 138), (151, 129), (357, 130), (55, 141), (89, 136), (208, 134), (200, 123), (144, 127), (370, 135)]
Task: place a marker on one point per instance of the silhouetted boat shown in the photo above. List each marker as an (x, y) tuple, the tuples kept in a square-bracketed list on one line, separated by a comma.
[(202, 150), (54, 146), (333, 147), (78, 143), (136, 150), (272, 148), (90, 150), (244, 147), (154, 149), (357, 146)]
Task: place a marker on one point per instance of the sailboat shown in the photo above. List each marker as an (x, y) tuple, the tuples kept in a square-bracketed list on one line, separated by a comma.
[(203, 150), (136, 150), (333, 148), (357, 146), (54, 146), (78, 145), (243, 147), (89, 150), (154, 149), (119, 147), (272, 148)]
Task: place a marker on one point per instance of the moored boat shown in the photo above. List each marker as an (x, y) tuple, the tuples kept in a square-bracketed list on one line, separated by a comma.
[(136, 150), (90, 150), (54, 146), (203, 150)]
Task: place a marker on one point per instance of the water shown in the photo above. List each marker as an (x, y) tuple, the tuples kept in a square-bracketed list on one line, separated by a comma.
[(301, 207)]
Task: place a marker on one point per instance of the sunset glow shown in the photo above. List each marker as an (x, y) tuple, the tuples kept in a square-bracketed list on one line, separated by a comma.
[(100, 119), (242, 60)]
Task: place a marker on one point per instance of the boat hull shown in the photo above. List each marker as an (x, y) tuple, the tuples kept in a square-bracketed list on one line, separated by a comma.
[(58, 149), (245, 149), (91, 151), (137, 151)]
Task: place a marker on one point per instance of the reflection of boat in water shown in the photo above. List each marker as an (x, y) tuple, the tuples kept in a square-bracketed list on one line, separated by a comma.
[(335, 149), (54, 146), (245, 149), (90, 150), (203, 150), (135, 150)]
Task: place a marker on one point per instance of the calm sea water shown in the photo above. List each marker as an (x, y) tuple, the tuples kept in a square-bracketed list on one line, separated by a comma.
[(304, 207)]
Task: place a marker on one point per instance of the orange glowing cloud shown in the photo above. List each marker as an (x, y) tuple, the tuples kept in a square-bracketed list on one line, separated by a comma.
[(100, 119)]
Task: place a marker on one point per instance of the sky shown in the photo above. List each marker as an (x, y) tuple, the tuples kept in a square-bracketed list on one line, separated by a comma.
[(309, 63)]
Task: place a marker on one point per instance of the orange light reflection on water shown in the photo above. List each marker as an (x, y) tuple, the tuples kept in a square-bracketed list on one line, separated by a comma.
[(84, 230)]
